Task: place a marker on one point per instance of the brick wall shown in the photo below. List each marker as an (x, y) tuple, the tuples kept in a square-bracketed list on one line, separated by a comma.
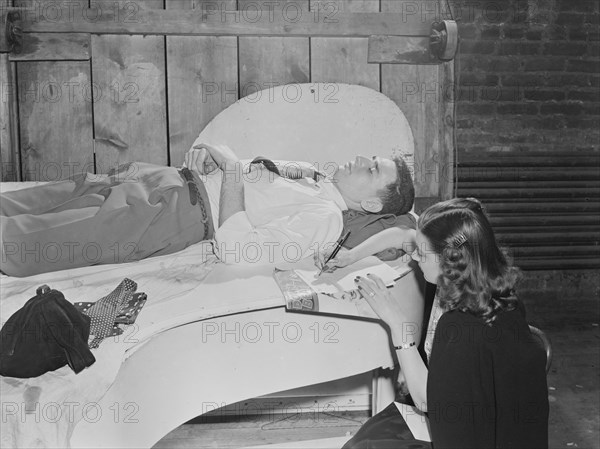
[(529, 79), (529, 74)]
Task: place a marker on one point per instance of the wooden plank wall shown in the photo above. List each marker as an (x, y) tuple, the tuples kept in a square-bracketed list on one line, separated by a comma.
[(202, 74), (131, 122), (54, 116), (9, 147), (417, 90), (147, 97)]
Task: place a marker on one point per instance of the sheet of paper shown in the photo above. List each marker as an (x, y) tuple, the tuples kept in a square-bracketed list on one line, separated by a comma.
[(416, 420), (342, 279), (333, 293)]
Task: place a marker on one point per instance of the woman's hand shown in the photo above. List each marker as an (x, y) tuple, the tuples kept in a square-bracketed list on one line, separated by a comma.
[(343, 258), (402, 317)]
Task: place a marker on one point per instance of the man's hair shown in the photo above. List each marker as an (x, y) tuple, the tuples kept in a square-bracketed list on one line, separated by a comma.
[(398, 197)]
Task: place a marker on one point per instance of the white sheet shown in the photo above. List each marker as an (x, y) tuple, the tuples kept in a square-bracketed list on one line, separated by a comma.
[(180, 374), (184, 287), (65, 398)]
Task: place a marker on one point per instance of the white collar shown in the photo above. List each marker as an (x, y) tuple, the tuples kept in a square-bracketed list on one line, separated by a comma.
[(328, 186)]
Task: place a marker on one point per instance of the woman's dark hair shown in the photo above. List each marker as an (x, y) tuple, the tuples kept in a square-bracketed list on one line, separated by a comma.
[(476, 275)]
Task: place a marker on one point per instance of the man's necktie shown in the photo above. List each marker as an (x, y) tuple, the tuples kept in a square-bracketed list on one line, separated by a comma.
[(106, 309), (290, 171)]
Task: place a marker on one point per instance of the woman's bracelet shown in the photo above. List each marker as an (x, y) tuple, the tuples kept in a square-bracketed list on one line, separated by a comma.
[(405, 346)]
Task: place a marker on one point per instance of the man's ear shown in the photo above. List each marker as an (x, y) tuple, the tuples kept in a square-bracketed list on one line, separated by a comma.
[(372, 205)]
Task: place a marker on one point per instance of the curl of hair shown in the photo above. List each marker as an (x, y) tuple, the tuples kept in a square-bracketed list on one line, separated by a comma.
[(476, 275), (398, 197)]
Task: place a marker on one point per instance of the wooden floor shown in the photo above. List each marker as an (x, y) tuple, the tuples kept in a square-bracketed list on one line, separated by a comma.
[(573, 381)]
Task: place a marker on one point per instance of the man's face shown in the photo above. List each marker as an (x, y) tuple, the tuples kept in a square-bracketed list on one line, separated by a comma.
[(363, 178)]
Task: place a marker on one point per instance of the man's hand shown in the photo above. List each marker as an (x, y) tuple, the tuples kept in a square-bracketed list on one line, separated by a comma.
[(232, 185), (205, 158), (222, 155), (198, 159)]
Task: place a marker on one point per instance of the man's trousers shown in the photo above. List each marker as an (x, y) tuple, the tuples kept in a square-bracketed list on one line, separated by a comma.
[(138, 210)]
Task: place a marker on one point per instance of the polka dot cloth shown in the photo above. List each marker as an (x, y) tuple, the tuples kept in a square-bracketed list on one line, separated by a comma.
[(104, 312), (131, 309), (83, 306), (127, 315)]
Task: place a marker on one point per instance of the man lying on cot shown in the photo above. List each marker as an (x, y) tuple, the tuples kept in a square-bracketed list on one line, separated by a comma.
[(141, 210)]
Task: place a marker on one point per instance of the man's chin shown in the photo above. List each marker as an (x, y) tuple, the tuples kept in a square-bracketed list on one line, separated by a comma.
[(338, 173), (341, 171)]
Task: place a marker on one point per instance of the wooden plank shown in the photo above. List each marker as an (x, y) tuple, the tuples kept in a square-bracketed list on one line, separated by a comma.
[(290, 10), (202, 77), (447, 155), (202, 80), (125, 11), (130, 112), (417, 91), (205, 6), (53, 47), (333, 7), (9, 157), (266, 62), (7, 89), (55, 119), (227, 23), (343, 60), (5, 45), (400, 50)]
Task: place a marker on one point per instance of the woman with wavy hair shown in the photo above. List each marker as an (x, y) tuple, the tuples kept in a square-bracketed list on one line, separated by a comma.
[(485, 382)]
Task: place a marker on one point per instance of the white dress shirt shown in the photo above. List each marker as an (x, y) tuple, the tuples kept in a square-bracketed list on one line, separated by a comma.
[(285, 220)]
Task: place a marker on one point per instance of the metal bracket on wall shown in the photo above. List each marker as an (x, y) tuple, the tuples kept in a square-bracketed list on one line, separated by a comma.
[(440, 45), (443, 41), (11, 34)]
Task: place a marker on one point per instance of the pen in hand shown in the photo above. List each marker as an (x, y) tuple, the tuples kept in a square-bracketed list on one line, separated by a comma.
[(336, 250)]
